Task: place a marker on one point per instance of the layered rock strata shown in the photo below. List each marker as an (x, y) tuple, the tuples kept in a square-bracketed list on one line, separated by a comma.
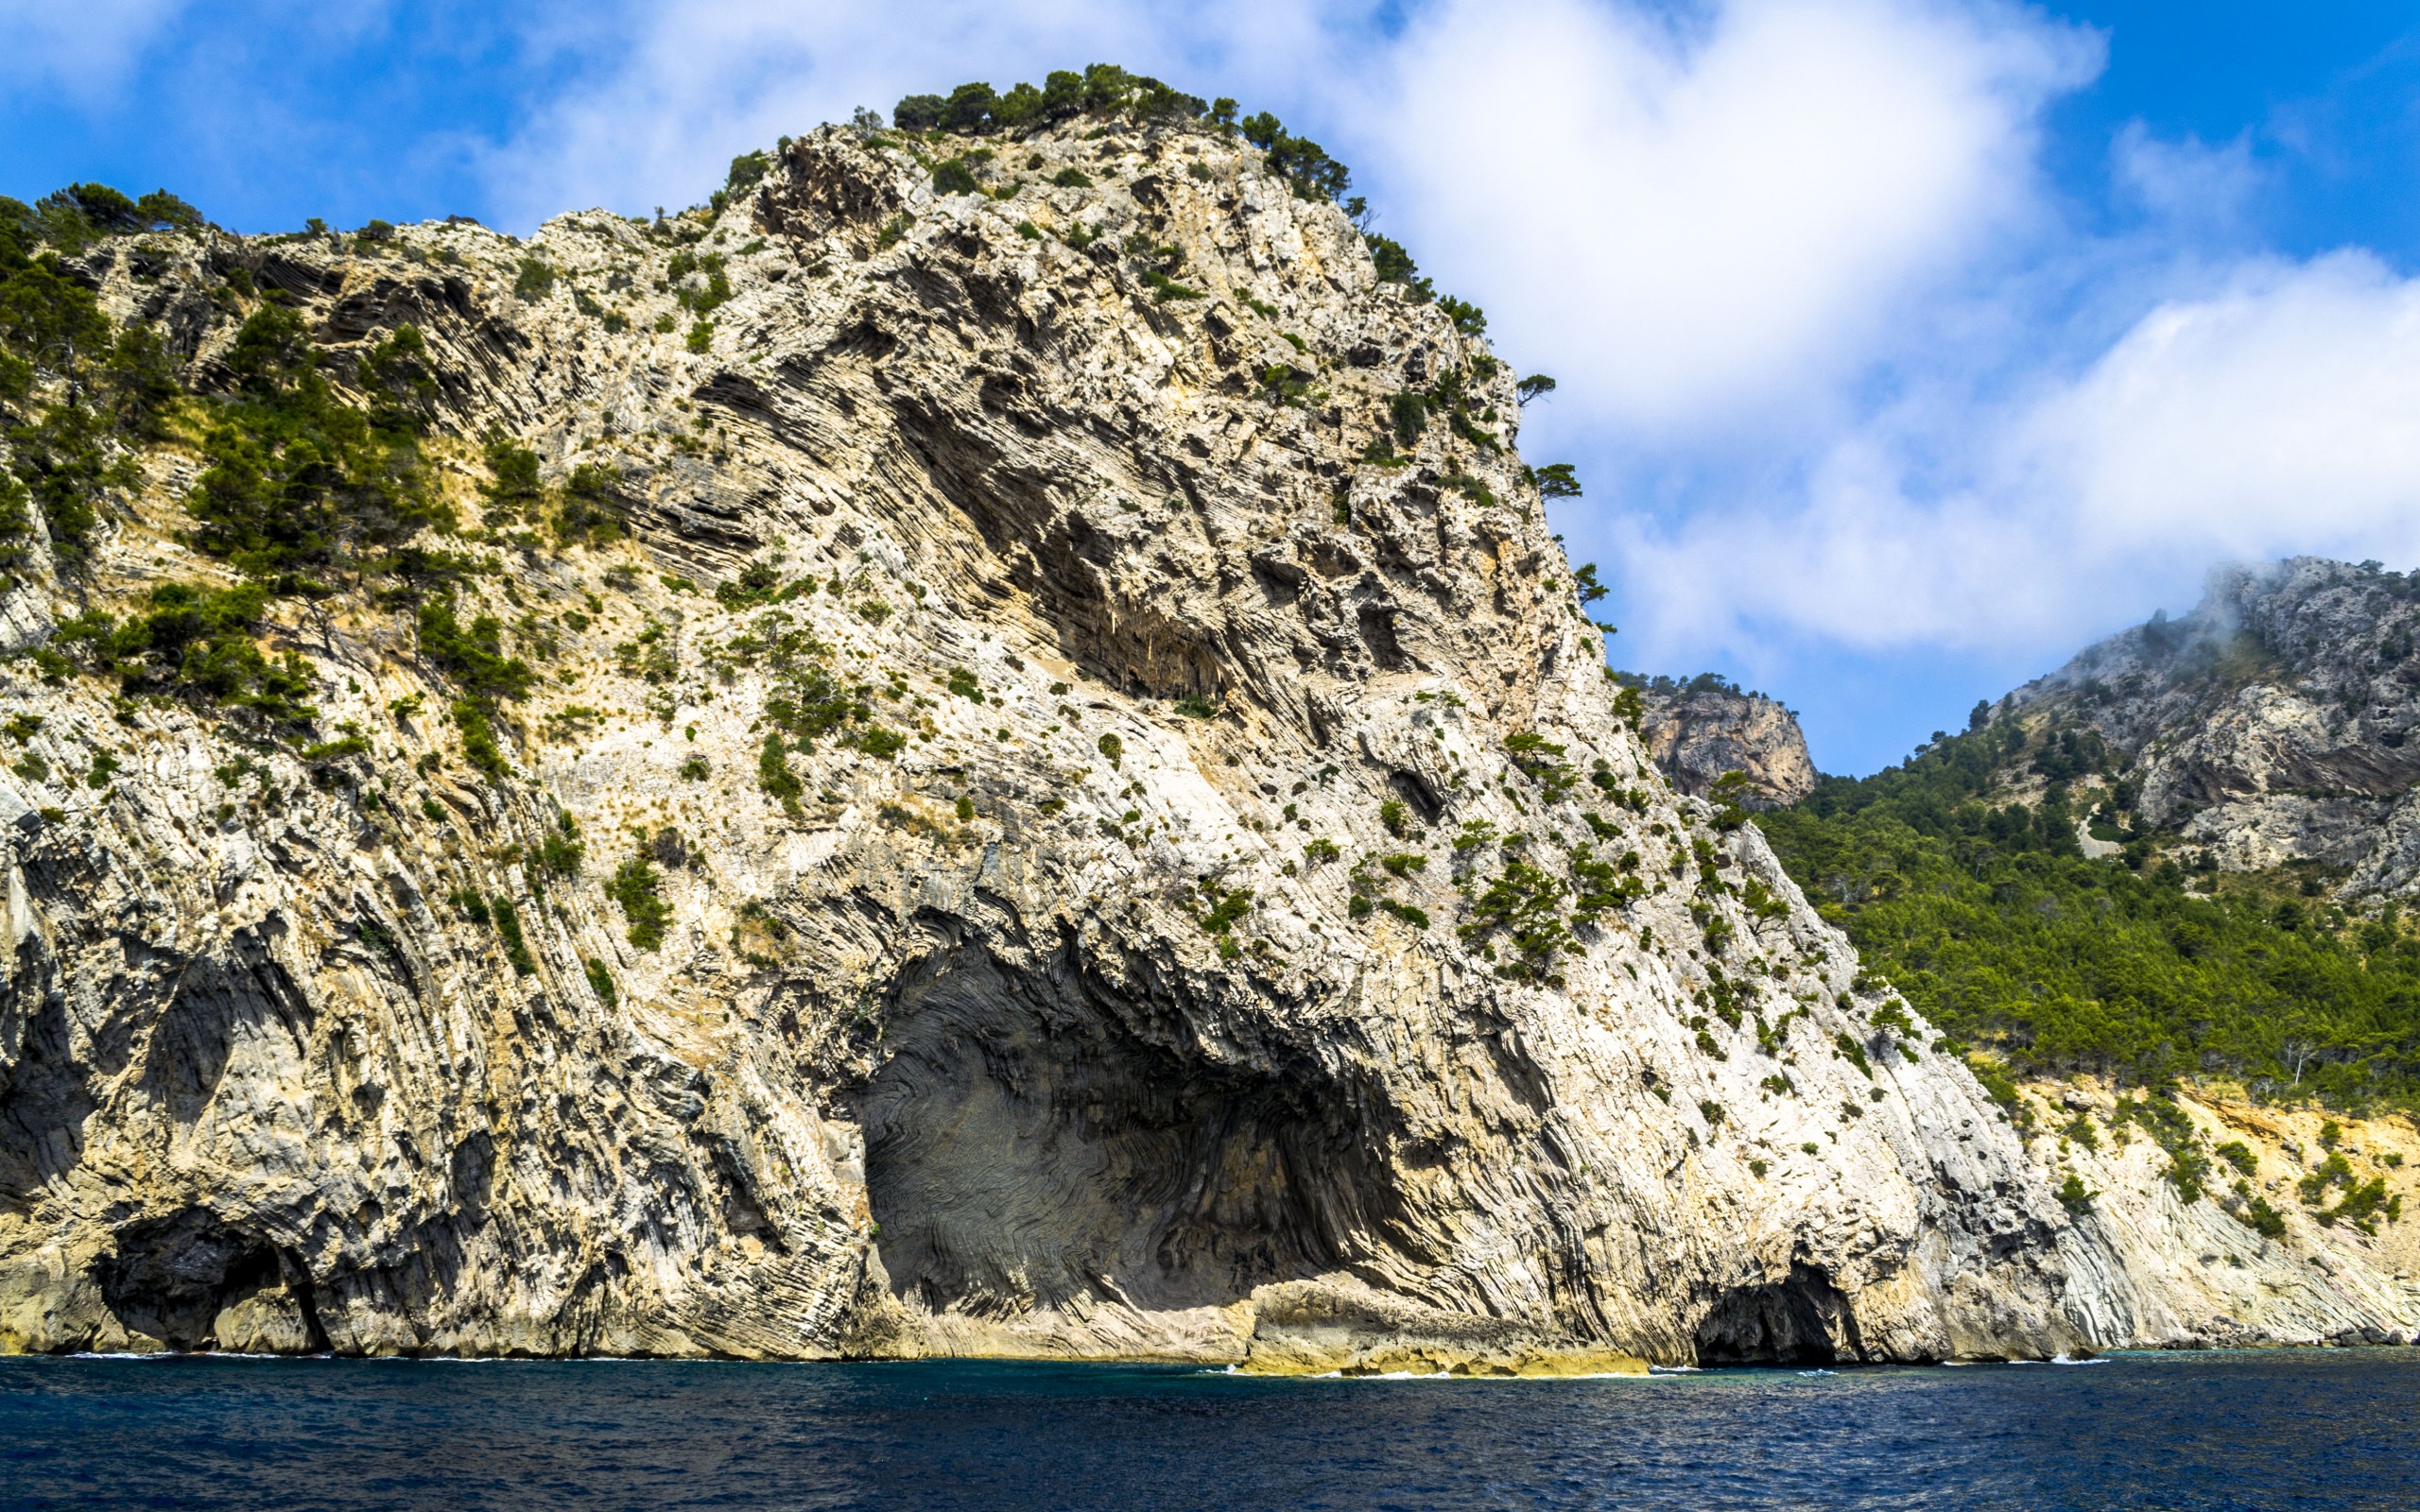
[(1101, 832)]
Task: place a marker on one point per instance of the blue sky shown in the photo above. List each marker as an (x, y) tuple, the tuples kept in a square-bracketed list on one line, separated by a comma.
[(1905, 347)]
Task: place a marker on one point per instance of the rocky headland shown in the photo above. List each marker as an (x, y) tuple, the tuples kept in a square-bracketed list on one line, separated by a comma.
[(980, 747)]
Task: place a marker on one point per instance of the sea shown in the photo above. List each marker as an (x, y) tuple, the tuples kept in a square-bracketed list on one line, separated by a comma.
[(2321, 1429)]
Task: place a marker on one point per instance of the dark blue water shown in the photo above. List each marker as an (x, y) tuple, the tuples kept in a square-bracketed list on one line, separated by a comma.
[(2318, 1429)]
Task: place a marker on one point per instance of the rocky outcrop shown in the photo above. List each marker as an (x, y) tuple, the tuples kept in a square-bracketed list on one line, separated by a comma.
[(2272, 725), (1071, 820), (1695, 735), (2253, 1260)]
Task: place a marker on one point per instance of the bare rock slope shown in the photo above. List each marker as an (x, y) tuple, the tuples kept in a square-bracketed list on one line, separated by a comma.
[(1697, 734), (2270, 726), (1071, 823)]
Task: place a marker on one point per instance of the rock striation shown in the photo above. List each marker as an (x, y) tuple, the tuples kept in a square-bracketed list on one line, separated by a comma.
[(1068, 808)]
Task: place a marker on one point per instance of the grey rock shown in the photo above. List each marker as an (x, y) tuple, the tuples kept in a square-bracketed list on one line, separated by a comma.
[(2272, 725), (1697, 736)]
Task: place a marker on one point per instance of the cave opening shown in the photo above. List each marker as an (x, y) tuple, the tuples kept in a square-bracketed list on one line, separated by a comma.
[(1030, 1145), (1801, 1319), (170, 1277)]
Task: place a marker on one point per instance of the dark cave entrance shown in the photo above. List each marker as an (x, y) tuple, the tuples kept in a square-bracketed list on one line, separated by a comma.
[(1027, 1147), (171, 1276), (1801, 1319)]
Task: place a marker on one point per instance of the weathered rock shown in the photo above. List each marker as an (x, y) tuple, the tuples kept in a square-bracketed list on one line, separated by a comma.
[(1695, 735), (2201, 1273), (2272, 725), (1270, 1030)]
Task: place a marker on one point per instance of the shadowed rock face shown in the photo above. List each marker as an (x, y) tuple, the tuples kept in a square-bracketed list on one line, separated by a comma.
[(1695, 737), (1172, 943), (2274, 724)]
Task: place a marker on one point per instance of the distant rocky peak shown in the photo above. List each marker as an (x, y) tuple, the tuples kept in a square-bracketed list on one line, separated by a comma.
[(1698, 730), (2270, 726)]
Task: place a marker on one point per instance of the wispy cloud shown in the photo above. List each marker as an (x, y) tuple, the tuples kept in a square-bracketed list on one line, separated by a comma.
[(84, 51)]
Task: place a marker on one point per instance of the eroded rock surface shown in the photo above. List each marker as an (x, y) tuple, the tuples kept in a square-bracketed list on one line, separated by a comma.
[(1221, 917), (2272, 725), (1696, 736)]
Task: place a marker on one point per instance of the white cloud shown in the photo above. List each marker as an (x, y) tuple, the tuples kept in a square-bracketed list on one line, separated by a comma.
[(2270, 417), (2279, 415), (83, 50), (677, 88), (1699, 223), (2189, 180)]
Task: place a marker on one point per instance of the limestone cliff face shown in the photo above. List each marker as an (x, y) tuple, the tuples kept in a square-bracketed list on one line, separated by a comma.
[(1695, 735), (2248, 1262), (1205, 904), (2272, 725)]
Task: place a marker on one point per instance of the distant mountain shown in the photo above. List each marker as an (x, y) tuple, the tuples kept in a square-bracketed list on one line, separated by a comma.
[(2269, 727), (2157, 901), (1701, 729)]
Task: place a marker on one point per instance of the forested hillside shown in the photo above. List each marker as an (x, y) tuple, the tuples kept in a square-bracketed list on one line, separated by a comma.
[(1961, 879)]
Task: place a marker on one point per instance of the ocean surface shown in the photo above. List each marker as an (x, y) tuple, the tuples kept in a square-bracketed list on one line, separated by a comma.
[(2284, 1429)]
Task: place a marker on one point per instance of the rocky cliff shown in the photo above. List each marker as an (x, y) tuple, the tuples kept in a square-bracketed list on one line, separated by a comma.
[(2270, 726), (980, 750), (1699, 731)]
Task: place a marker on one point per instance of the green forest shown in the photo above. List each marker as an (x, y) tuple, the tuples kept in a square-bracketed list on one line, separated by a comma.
[(1994, 925)]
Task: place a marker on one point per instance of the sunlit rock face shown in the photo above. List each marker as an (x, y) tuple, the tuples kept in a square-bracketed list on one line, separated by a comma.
[(1697, 736), (1055, 815)]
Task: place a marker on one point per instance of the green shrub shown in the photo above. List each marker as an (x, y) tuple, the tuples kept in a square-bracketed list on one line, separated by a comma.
[(1395, 266), (635, 887), (508, 925), (535, 280), (1164, 289), (1395, 817), (2073, 1196), (1556, 481), (2188, 1168), (1534, 756), (1521, 906), (2236, 1153), (1465, 316), (702, 336), (1114, 749), (1320, 851), (2258, 1215), (1226, 908), (601, 981), (774, 775)]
